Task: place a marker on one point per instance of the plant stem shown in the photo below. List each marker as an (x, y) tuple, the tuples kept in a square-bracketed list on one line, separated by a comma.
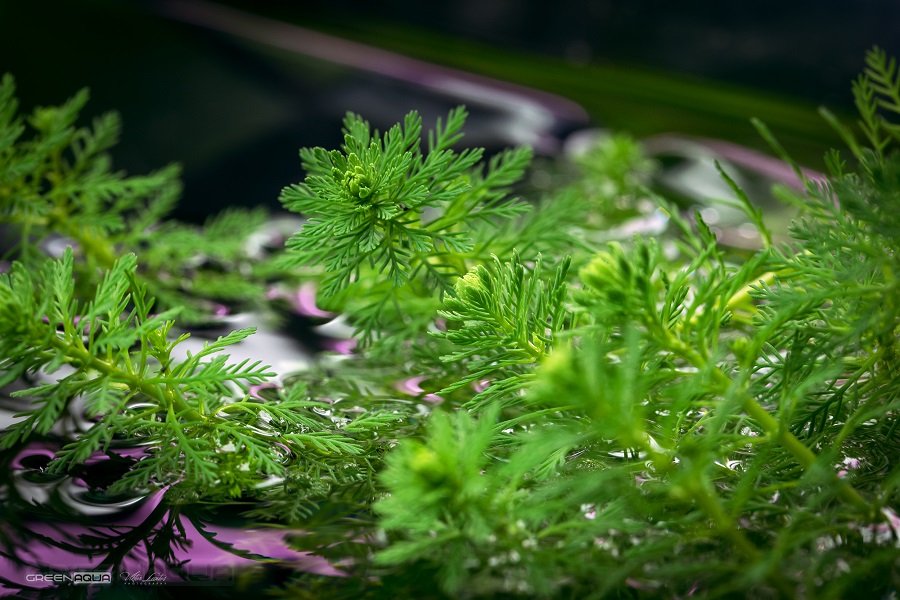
[(789, 441), (164, 395)]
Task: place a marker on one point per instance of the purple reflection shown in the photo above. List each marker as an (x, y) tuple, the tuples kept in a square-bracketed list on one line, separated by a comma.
[(58, 548), (99, 457), (256, 389), (752, 160), (340, 346), (773, 168), (305, 302), (43, 449), (480, 386), (531, 115), (411, 386)]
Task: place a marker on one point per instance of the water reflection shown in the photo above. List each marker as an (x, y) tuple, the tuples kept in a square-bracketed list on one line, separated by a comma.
[(58, 525)]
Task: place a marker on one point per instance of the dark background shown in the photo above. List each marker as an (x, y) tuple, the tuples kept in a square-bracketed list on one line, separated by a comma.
[(802, 48), (234, 114)]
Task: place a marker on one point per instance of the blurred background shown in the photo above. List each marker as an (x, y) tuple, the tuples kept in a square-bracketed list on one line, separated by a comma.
[(232, 89)]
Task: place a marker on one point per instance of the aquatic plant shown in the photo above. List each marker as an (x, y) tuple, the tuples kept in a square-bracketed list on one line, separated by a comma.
[(589, 417)]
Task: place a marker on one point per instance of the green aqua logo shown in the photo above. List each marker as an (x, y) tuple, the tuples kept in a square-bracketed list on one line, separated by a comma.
[(73, 577)]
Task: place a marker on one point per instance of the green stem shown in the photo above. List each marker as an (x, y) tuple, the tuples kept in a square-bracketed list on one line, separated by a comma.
[(58, 219), (164, 395), (709, 503), (92, 245), (772, 426)]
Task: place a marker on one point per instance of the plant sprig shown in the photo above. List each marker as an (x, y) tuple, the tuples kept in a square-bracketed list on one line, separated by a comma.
[(385, 206), (59, 182), (204, 428), (504, 319)]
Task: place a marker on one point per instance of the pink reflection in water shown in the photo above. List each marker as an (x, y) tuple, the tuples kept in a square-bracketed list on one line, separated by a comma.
[(54, 547), (411, 386), (44, 449), (303, 301), (200, 557), (340, 346), (480, 386), (256, 389)]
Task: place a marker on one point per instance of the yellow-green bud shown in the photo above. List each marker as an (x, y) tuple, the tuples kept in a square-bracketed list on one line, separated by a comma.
[(605, 268), (43, 117), (358, 180), (741, 348), (471, 285), (425, 463)]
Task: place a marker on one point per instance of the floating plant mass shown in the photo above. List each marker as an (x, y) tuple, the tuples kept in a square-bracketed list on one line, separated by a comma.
[(526, 402)]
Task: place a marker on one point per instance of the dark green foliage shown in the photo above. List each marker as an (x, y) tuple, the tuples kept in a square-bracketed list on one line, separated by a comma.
[(728, 423)]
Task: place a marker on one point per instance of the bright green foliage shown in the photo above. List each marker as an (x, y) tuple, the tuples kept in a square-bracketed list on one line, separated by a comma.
[(118, 356), (383, 205), (710, 423), (59, 182), (533, 410), (504, 319), (614, 174), (475, 516)]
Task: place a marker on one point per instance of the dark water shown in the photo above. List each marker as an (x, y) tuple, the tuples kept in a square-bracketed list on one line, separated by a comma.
[(234, 112)]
